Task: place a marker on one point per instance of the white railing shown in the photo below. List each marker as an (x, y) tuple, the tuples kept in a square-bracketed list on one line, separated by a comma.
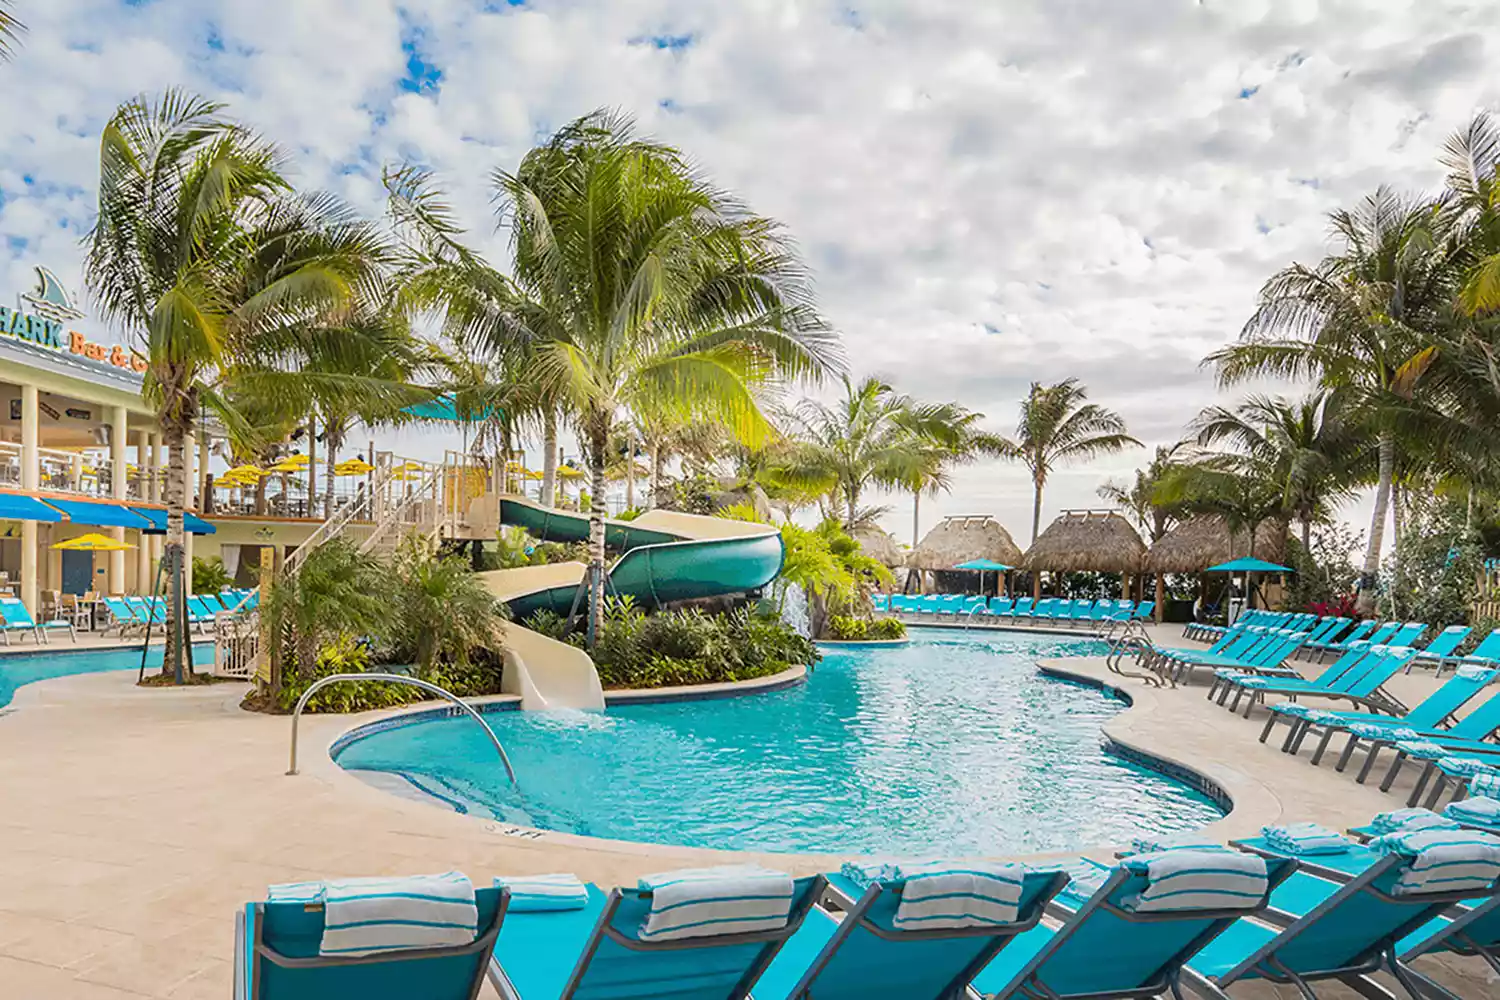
[(81, 473), (236, 643)]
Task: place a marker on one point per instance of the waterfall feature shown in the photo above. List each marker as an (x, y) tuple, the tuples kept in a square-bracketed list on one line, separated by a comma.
[(794, 610)]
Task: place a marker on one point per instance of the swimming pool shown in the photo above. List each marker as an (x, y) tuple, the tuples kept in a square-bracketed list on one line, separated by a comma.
[(950, 744), (47, 662)]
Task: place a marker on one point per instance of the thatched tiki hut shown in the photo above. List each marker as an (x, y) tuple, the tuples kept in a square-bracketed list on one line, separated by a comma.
[(960, 539), (880, 546), (1082, 541), (1195, 545)]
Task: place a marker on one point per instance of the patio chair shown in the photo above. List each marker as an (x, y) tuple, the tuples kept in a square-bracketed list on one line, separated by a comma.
[(1361, 684), (18, 620), (1486, 654), (276, 957), (1267, 653), (1021, 609), (1105, 948), (1369, 631), (598, 951), (1232, 678), (866, 954), (1441, 647), (123, 617)]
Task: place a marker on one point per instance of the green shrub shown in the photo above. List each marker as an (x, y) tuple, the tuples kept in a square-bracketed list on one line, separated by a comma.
[(209, 575), (344, 655), (845, 628), (888, 628)]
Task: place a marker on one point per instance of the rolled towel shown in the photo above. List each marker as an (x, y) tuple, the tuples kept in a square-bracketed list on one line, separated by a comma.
[(707, 902), (1254, 682), (1485, 783), (1293, 709), (942, 895), (1442, 860), (1424, 749), (1306, 839), (1462, 767), (544, 893), (1410, 819), (1475, 811), (1375, 731), (866, 873), (1189, 879), (1230, 674), (368, 916), (1475, 672), (1171, 842), (295, 892)]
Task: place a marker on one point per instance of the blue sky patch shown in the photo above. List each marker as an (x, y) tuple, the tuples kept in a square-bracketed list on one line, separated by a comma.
[(1248, 92), (422, 76)]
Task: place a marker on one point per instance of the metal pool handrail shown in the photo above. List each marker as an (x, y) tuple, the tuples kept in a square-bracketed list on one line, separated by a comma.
[(397, 679)]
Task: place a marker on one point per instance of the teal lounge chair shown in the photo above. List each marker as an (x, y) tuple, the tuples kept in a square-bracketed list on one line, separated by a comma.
[(1369, 631), (1441, 647), (596, 953), (1362, 684), (1043, 610), (1268, 653), (1225, 679), (1486, 654), (864, 956), (1148, 655), (1022, 609), (1342, 928), (276, 958), (1143, 611), (122, 616), (16, 619), (1102, 950), (1471, 931)]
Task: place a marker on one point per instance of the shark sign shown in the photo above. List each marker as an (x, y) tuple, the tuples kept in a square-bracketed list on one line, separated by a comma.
[(40, 318)]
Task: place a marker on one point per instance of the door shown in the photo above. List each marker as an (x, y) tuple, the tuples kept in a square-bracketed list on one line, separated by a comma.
[(77, 572)]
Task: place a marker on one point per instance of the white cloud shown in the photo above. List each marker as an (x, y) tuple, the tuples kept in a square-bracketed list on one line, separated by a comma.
[(990, 194)]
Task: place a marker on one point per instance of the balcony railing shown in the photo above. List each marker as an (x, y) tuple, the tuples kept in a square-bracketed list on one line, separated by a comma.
[(79, 473)]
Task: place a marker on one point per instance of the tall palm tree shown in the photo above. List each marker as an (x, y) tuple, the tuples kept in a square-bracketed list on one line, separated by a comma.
[(948, 436), (1312, 446), (10, 30), (1360, 320), (645, 286), (1139, 497), (1243, 491), (1059, 425), (1469, 211), (202, 255)]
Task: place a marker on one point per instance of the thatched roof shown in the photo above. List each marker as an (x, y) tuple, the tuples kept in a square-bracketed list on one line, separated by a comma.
[(1098, 541), (959, 539), (1197, 544), (879, 545)]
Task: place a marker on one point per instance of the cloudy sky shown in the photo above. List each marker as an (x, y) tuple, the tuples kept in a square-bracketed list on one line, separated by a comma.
[(989, 193)]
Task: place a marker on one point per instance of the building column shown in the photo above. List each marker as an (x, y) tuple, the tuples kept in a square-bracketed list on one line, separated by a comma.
[(31, 478), (144, 578), (197, 485), (119, 428), (158, 542)]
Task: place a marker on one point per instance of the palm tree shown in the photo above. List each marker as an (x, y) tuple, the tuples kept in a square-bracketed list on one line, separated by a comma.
[(1312, 446), (10, 30), (874, 436), (1360, 320), (1139, 498), (1059, 425), (203, 256), (1469, 211), (646, 287), (1242, 491), (948, 436)]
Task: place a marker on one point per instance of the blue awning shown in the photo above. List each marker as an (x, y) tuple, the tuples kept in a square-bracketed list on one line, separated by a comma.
[(15, 507), (158, 518), (100, 513)]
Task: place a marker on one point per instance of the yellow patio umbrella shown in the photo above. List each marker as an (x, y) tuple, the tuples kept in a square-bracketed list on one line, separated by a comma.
[(250, 472), (228, 482), (568, 472), (93, 542), (533, 474), (353, 467), (287, 465)]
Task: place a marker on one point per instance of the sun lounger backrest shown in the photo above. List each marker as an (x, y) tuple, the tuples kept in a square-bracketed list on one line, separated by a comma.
[(1384, 632), (1000, 605), (1408, 634), (1488, 648), (294, 931), (1144, 609), (121, 609), (1443, 702), (1023, 607), (1326, 629), (15, 614), (1446, 641), (1392, 664), (1481, 722), (617, 965)]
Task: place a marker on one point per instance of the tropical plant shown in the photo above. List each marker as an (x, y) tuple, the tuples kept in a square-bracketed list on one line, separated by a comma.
[(337, 591), (846, 628), (201, 254), (1242, 491), (1469, 211), (10, 30), (1059, 425), (1139, 498), (832, 569), (1360, 320), (210, 576), (442, 611)]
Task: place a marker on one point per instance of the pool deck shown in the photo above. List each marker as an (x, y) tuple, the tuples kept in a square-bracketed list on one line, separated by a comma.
[(135, 822)]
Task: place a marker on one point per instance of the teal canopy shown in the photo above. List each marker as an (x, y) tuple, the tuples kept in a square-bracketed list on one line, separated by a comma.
[(445, 407), (1249, 566), (983, 564)]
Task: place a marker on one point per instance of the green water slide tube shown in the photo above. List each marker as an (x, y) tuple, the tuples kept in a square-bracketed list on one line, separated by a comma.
[(550, 525)]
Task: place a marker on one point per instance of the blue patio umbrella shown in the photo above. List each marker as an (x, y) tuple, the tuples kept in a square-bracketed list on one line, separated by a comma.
[(1247, 566), (983, 566), (445, 407)]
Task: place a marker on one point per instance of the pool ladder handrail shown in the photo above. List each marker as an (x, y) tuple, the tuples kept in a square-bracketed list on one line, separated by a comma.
[(398, 679)]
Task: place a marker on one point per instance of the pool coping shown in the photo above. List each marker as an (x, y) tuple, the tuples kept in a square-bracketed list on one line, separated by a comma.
[(1009, 629), (859, 643)]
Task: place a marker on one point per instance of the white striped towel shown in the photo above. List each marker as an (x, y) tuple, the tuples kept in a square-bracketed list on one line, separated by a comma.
[(1171, 842), (1442, 860), (1425, 749), (1198, 880), (1462, 767), (1485, 783), (704, 902), (1084, 878), (295, 892), (866, 873), (1410, 819), (1292, 708), (544, 893), (1478, 810), (1474, 672), (367, 916), (943, 895), (1306, 839), (1387, 734)]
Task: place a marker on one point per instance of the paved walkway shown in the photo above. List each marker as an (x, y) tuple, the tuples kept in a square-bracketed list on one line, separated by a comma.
[(133, 823)]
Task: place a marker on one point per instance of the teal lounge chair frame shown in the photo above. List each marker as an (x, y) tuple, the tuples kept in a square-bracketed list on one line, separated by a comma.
[(613, 939), (1361, 684), (16, 618), (276, 958), (865, 955)]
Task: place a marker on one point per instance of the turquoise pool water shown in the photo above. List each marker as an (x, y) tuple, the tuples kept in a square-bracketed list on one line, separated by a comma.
[(61, 659), (955, 745)]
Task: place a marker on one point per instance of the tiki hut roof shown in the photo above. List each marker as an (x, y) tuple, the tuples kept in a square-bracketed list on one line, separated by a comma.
[(959, 539), (879, 545), (1197, 544), (1098, 541)]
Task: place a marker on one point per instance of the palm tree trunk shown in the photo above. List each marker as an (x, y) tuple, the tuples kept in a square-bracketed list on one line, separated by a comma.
[(851, 497), (175, 433), (916, 517), (1306, 536), (598, 443), (655, 472), (1370, 571), (1036, 508), (549, 456), (1469, 512), (332, 439), (260, 494), (629, 467)]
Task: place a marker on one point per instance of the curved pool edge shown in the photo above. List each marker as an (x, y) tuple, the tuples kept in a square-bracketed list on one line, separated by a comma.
[(862, 643)]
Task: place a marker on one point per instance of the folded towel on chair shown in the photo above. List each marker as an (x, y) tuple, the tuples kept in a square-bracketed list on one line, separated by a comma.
[(1425, 749), (1306, 839), (704, 902), (1475, 810), (1474, 672), (1193, 879), (366, 916), (1410, 819), (295, 892), (543, 893), (942, 895), (1442, 860), (1485, 783), (1171, 842), (1462, 767), (1387, 734)]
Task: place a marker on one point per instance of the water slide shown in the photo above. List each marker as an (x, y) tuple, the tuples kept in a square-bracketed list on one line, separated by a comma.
[(668, 556)]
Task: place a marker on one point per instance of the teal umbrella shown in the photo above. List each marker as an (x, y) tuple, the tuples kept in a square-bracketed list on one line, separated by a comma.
[(1249, 566), (444, 407), (983, 565)]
